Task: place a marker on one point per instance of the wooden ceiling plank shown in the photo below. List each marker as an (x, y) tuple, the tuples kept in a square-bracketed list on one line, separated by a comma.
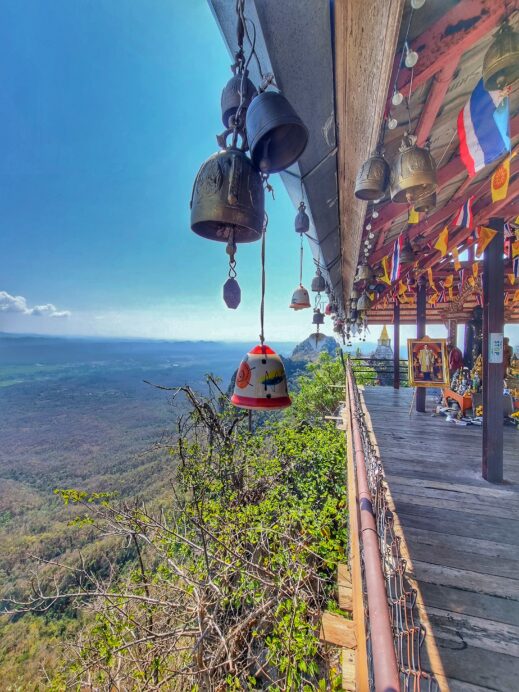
[(434, 101)]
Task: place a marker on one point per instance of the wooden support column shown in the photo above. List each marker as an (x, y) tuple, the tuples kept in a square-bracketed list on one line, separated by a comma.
[(396, 345), (493, 324), (421, 315), (452, 331)]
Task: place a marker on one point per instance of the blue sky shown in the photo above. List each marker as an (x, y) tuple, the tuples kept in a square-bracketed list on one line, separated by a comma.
[(108, 109)]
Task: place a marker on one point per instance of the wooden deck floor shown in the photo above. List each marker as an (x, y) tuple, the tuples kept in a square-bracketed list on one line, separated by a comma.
[(461, 535)]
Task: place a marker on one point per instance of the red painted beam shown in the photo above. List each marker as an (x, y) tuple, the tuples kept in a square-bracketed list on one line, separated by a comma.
[(452, 35)]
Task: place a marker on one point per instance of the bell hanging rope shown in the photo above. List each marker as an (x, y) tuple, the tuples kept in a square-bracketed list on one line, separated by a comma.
[(372, 178), (276, 134), (501, 61), (413, 173), (261, 382)]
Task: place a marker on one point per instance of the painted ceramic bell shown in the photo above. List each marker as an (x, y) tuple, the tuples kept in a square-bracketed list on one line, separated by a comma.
[(300, 298), (261, 382)]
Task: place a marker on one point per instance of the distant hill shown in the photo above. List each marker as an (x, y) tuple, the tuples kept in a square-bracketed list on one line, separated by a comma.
[(311, 347)]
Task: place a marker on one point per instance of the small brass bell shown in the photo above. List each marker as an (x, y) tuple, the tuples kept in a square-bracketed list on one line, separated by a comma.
[(372, 178), (413, 173), (426, 204), (364, 272), (363, 303), (318, 317), (231, 97), (228, 198), (407, 255), (276, 134), (318, 282), (302, 220), (354, 294), (501, 61)]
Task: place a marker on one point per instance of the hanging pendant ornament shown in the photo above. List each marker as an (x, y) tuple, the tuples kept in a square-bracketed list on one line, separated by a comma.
[(261, 382), (231, 288), (300, 298)]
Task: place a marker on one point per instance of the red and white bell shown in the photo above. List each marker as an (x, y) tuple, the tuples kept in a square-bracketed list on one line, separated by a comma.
[(261, 382), (300, 298)]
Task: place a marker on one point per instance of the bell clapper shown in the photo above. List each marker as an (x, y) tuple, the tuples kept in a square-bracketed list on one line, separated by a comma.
[(231, 288)]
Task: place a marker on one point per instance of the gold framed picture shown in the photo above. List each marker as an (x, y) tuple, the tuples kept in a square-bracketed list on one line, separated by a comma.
[(427, 361)]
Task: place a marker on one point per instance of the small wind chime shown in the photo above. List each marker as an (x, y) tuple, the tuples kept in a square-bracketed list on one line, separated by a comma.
[(318, 287), (300, 297), (228, 198)]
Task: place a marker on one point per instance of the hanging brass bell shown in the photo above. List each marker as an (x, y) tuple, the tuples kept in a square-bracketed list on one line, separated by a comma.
[(501, 61), (231, 97), (276, 134), (302, 220), (413, 173), (318, 282), (363, 303), (425, 204), (318, 317), (372, 178), (354, 294), (364, 272), (228, 198), (407, 255)]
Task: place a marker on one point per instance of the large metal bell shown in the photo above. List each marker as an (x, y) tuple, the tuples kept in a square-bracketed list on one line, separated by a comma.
[(231, 97), (276, 134), (228, 198), (372, 178), (413, 173), (363, 303), (426, 203), (501, 61)]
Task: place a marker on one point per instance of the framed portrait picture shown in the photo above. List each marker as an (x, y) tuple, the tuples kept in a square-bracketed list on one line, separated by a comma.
[(428, 364)]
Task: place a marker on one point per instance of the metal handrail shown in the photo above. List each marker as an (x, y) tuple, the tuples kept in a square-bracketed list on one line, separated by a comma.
[(385, 667)]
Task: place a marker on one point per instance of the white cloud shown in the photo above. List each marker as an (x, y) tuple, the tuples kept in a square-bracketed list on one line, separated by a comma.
[(18, 304)]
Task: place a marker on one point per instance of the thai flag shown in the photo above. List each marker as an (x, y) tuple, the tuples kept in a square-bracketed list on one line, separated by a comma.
[(395, 259), (483, 128), (465, 217)]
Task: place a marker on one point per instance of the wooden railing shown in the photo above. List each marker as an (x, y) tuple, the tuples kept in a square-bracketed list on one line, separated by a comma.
[(379, 371)]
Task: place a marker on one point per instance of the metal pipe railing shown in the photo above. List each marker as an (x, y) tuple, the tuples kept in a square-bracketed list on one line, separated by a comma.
[(385, 667)]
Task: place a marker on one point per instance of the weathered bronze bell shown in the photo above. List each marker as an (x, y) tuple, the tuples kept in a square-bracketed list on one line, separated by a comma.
[(318, 317), (372, 178), (413, 173), (231, 97), (501, 61), (276, 134), (364, 272), (228, 198), (318, 282), (363, 303), (354, 294), (407, 254), (426, 203), (302, 220)]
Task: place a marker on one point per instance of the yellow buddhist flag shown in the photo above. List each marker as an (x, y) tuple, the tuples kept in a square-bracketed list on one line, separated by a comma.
[(385, 269), (516, 296), (430, 277), (475, 270), (471, 281), (511, 279), (499, 181), (449, 280), (484, 236), (456, 258), (443, 241), (515, 249), (413, 216)]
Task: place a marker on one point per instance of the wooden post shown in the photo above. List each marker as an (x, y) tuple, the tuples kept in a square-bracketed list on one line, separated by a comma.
[(421, 315), (452, 331), (493, 323), (396, 345)]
